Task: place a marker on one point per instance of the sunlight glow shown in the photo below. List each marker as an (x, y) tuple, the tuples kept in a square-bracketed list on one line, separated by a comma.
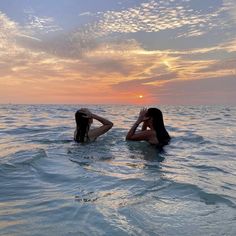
[(167, 63)]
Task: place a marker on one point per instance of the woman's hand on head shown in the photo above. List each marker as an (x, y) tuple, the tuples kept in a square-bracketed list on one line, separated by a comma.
[(142, 115), (87, 113)]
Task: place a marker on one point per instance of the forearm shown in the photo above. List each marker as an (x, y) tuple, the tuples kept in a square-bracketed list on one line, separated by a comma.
[(102, 120), (132, 130)]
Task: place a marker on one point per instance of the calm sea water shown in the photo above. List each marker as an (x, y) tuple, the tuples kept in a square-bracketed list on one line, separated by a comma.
[(50, 185)]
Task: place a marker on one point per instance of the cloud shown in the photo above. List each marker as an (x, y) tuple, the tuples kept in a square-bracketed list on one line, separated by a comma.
[(8, 30), (16, 60), (228, 65), (155, 16), (229, 5), (64, 45), (23, 36), (230, 46), (36, 25), (24, 58), (215, 90), (43, 25), (137, 83), (87, 13)]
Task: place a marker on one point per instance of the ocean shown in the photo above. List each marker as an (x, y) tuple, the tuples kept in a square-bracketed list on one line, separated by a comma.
[(50, 185)]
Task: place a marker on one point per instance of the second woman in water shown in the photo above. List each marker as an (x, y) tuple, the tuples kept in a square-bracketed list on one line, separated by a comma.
[(153, 128)]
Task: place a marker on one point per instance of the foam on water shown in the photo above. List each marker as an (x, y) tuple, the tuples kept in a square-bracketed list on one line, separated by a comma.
[(50, 185)]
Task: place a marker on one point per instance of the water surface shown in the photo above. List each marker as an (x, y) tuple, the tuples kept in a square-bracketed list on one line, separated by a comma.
[(50, 185)]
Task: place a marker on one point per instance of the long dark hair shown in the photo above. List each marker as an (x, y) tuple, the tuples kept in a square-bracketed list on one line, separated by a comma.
[(158, 124), (82, 127)]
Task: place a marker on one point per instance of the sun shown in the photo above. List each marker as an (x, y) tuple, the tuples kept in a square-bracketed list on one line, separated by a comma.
[(140, 96)]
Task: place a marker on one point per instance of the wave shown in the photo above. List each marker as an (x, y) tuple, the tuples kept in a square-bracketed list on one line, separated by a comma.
[(23, 157), (210, 168), (25, 130), (186, 191), (193, 138)]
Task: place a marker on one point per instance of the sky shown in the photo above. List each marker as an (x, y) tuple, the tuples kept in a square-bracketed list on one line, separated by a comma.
[(177, 52)]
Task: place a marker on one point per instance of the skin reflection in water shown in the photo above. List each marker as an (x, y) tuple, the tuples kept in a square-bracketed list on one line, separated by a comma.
[(145, 151)]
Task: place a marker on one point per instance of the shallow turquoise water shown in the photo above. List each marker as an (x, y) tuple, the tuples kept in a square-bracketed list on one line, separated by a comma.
[(50, 185)]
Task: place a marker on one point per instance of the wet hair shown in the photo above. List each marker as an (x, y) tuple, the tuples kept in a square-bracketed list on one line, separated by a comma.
[(158, 124), (82, 127)]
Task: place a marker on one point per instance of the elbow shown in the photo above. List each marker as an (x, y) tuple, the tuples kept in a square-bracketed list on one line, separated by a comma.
[(110, 125)]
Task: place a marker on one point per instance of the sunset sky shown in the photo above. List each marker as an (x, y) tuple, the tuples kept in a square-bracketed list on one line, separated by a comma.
[(118, 51)]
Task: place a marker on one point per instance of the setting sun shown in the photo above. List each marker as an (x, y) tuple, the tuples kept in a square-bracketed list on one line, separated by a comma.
[(140, 96)]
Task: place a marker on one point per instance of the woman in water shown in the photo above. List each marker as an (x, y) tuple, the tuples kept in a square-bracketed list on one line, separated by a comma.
[(84, 119), (153, 128)]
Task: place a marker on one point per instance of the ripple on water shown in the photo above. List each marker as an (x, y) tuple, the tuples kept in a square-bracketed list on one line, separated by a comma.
[(23, 157), (215, 119), (25, 130), (209, 168), (195, 193), (192, 138)]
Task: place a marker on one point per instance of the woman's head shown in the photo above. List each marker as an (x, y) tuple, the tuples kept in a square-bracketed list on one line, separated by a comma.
[(83, 123), (156, 118), (156, 115)]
